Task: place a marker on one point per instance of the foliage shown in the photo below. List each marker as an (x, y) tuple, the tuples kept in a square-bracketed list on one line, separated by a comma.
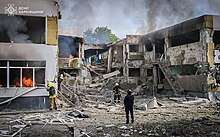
[(100, 35)]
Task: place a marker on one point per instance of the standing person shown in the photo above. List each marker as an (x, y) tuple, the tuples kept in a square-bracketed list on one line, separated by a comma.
[(52, 96), (128, 103), (117, 93)]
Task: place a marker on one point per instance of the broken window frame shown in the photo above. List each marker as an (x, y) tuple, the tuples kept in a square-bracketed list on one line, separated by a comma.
[(137, 70), (8, 67), (134, 45), (33, 36)]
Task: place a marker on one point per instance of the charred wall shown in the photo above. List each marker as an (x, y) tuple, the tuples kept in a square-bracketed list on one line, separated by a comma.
[(22, 29), (69, 45)]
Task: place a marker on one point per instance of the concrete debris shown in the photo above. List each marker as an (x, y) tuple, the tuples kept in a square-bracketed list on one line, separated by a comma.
[(99, 129), (15, 128), (77, 114), (123, 127), (111, 125), (178, 99), (153, 103), (107, 135), (106, 76), (196, 102), (109, 121), (66, 118), (95, 85), (142, 107), (125, 135)]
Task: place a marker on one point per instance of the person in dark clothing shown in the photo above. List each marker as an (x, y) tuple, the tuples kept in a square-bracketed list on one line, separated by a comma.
[(117, 93), (128, 103)]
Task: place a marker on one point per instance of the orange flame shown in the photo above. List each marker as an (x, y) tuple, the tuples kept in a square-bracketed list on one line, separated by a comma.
[(70, 56), (27, 82)]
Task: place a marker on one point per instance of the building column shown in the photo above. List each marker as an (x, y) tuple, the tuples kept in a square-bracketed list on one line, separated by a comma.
[(82, 52), (109, 59), (155, 79), (154, 53), (126, 61), (206, 38), (167, 44)]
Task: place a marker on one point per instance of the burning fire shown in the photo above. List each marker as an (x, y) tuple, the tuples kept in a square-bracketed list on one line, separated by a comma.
[(27, 82)]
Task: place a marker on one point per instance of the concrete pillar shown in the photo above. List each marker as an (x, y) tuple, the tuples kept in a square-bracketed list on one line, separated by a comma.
[(159, 76), (167, 44), (154, 53), (206, 37), (82, 51), (109, 60), (155, 79), (79, 51), (126, 61)]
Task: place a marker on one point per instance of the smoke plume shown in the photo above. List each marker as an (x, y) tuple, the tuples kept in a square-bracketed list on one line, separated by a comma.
[(163, 13), (67, 46), (129, 16), (78, 15), (15, 28)]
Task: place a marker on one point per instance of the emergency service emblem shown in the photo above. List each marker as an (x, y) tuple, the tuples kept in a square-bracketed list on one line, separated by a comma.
[(10, 10)]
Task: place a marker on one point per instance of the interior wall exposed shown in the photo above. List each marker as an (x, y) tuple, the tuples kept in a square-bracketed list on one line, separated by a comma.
[(216, 39), (183, 70), (134, 72), (148, 46), (159, 45), (133, 47), (119, 56)]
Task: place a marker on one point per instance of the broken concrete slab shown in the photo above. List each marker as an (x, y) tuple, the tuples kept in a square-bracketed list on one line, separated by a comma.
[(77, 114), (111, 125), (95, 85), (123, 127), (153, 103), (195, 102), (178, 99), (105, 76), (142, 107)]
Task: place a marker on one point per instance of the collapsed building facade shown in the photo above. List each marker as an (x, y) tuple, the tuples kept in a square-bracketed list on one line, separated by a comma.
[(79, 59), (28, 52), (183, 57)]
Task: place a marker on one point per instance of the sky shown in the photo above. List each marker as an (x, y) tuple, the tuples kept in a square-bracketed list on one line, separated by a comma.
[(125, 17)]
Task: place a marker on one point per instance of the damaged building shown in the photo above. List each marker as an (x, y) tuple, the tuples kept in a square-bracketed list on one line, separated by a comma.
[(183, 57), (28, 52)]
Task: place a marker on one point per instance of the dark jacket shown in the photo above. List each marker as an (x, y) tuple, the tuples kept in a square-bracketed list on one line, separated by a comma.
[(129, 101), (51, 91), (116, 90)]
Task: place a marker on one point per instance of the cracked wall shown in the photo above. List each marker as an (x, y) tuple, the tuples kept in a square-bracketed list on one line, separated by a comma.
[(186, 54)]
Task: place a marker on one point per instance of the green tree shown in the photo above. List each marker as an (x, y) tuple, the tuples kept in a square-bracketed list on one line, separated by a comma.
[(99, 35)]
